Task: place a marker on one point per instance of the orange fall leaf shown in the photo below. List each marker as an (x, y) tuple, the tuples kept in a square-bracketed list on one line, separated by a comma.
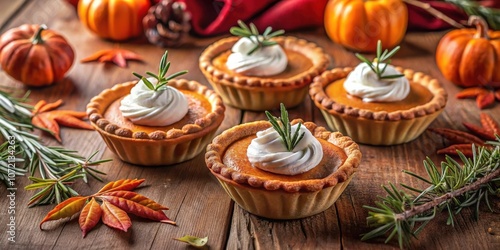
[(114, 217), (116, 56), (90, 216), (44, 116), (111, 205)]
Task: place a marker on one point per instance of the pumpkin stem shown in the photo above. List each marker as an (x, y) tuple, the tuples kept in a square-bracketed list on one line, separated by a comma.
[(37, 38), (481, 27)]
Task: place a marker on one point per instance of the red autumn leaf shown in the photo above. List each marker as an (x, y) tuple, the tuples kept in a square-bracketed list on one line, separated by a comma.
[(137, 209), (480, 131), (114, 217), (471, 92), (116, 56), (65, 209), (485, 100), (489, 124), (137, 198), (126, 184), (90, 216), (44, 116)]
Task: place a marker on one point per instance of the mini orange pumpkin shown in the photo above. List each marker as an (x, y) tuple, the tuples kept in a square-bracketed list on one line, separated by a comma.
[(113, 19), (470, 57), (359, 24), (35, 55)]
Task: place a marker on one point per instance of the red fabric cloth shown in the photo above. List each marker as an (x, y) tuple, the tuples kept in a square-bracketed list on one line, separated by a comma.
[(214, 17)]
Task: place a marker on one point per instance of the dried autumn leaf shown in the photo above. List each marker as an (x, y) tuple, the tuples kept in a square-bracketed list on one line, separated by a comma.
[(480, 131), (44, 116), (466, 149), (126, 184), (116, 201), (137, 198), (137, 209), (116, 56), (114, 217), (457, 136), (489, 124), (193, 240), (65, 209), (90, 216), (471, 92), (485, 100)]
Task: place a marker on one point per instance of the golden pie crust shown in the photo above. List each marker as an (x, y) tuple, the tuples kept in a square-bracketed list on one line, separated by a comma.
[(306, 61), (143, 145), (278, 196), (375, 124)]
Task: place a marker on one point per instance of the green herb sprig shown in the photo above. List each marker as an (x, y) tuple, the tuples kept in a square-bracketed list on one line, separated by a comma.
[(162, 71), (382, 57), (284, 129), (455, 186), (252, 31), (23, 152), (491, 15)]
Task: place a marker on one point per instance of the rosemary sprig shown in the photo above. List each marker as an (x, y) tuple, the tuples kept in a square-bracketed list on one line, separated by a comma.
[(491, 15), (52, 163), (253, 34), (382, 57), (458, 185), (162, 71), (284, 129)]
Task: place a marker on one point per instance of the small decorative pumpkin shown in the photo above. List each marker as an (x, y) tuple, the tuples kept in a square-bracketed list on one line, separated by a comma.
[(35, 55), (359, 24), (113, 19), (470, 57)]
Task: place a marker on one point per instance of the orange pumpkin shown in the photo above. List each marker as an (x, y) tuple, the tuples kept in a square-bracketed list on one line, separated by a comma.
[(35, 55), (470, 57), (359, 24), (113, 19)]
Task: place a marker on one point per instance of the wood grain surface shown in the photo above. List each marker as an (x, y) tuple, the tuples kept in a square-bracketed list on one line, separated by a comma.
[(197, 202)]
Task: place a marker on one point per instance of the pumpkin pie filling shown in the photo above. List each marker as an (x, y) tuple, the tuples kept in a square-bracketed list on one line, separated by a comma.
[(235, 157), (199, 106), (419, 95), (297, 63)]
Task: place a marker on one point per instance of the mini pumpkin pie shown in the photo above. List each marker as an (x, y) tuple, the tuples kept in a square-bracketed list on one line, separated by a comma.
[(150, 122), (378, 110), (254, 168), (258, 72)]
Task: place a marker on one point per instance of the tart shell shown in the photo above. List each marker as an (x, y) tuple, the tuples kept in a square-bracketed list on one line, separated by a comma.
[(158, 147), (381, 127), (261, 93), (279, 199)]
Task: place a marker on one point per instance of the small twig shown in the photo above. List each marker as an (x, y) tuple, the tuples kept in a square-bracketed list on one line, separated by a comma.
[(427, 206), (427, 7)]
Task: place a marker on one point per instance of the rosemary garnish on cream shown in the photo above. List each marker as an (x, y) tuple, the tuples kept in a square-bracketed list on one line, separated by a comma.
[(284, 129), (252, 33), (162, 80), (382, 58)]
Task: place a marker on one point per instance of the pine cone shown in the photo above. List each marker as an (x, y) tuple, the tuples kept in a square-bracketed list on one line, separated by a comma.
[(167, 23)]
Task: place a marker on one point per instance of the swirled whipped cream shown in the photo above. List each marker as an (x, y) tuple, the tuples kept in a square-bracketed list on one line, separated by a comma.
[(364, 83), (268, 153), (265, 61), (163, 107)]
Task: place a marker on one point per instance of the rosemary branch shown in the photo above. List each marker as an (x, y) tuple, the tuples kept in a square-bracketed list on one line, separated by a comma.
[(456, 186), (160, 77), (253, 34), (22, 146), (382, 57), (491, 15), (284, 129)]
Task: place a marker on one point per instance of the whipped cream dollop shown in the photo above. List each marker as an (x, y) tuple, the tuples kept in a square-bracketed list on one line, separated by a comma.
[(364, 83), (265, 61), (268, 153), (163, 107)]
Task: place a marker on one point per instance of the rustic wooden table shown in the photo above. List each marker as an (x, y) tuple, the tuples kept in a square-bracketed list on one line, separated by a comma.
[(197, 203)]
